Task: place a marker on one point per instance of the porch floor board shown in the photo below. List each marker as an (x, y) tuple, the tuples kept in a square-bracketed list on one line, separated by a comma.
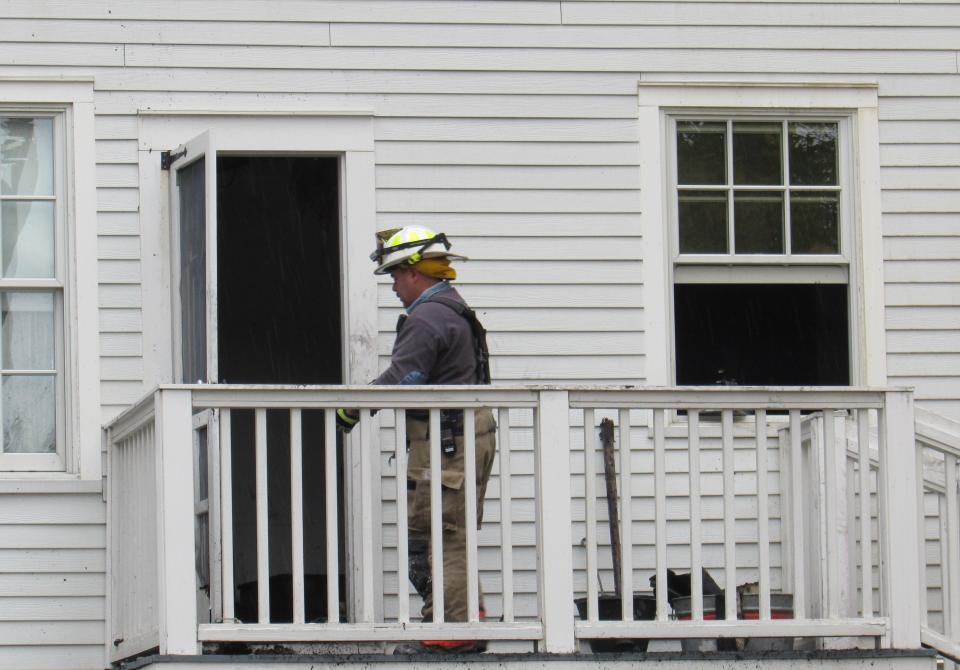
[(852, 659)]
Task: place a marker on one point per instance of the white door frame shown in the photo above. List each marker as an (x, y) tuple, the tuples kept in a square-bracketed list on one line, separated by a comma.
[(347, 134)]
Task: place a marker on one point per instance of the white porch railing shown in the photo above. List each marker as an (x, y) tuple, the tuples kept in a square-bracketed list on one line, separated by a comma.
[(938, 457), (735, 481)]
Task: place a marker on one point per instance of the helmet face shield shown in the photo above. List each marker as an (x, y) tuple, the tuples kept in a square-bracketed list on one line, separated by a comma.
[(409, 246)]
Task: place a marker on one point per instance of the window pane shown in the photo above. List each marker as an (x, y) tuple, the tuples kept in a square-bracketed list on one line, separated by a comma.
[(756, 153), (27, 330), (703, 222), (814, 222), (27, 239), (758, 222), (813, 154), (701, 153), (29, 414), (26, 156)]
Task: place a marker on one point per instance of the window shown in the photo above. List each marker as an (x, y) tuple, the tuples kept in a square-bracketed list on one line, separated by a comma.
[(760, 292), (31, 288), (50, 417), (761, 217)]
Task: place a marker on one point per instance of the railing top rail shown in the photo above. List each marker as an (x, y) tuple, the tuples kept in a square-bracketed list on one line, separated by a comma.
[(726, 397), (515, 396), (132, 418), (371, 397), (937, 432)]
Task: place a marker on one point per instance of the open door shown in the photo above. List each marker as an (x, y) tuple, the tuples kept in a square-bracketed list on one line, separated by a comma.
[(194, 210), (257, 300)]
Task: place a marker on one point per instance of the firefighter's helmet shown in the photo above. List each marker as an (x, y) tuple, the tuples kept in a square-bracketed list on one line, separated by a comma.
[(409, 245)]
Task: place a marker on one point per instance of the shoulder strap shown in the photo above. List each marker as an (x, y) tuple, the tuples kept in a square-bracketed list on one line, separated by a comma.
[(481, 352)]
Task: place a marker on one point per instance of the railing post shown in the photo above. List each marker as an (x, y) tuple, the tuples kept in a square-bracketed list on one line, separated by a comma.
[(555, 556), (902, 575), (177, 579)]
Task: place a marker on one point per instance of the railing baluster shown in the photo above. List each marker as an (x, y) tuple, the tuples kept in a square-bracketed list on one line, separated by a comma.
[(296, 513), (626, 518), (831, 503), (952, 540), (796, 517), (763, 519), (214, 517), (226, 514), (554, 519), (403, 557), (729, 518), (332, 517), (922, 531), (470, 495), (660, 510), (263, 519), (366, 605), (436, 517), (696, 535), (590, 516), (866, 539), (944, 560), (506, 528)]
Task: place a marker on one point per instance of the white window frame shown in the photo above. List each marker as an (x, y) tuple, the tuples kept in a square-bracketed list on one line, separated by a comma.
[(855, 105), (69, 102)]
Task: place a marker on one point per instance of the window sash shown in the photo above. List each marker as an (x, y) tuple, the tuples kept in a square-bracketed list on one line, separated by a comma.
[(55, 285), (843, 188)]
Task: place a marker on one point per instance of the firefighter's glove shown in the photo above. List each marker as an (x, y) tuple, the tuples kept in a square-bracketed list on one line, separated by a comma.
[(347, 419)]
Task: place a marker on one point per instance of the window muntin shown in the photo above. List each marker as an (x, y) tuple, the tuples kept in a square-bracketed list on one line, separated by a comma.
[(31, 291), (766, 187)]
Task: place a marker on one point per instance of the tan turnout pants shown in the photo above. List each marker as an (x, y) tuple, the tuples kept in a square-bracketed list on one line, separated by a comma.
[(454, 511)]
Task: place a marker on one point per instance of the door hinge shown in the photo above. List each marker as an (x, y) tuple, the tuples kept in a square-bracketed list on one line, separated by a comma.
[(168, 157)]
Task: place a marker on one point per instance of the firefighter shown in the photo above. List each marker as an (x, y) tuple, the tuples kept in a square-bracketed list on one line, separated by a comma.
[(439, 341)]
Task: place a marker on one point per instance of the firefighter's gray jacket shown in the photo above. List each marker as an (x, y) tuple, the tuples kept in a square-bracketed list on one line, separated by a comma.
[(434, 343)]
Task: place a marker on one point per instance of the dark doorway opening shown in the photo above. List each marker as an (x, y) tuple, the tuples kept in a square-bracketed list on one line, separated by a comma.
[(278, 276)]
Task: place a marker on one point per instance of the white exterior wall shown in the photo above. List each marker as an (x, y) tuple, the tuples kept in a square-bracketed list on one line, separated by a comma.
[(511, 126)]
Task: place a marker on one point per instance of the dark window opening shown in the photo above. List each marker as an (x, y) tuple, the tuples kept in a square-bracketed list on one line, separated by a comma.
[(762, 334)]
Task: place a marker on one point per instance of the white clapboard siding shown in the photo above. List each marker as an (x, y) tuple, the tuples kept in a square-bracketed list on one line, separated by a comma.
[(513, 225), (120, 295), (632, 37), (618, 60), (895, 180), (52, 583), (936, 224), (816, 13), (509, 130), (444, 11)]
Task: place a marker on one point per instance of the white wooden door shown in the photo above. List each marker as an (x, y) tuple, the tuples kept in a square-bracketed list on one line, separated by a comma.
[(193, 192)]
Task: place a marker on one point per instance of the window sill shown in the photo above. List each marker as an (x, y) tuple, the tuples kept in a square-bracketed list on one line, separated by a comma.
[(45, 482)]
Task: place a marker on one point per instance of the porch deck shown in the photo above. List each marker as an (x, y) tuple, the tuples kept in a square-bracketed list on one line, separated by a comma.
[(883, 659), (814, 493)]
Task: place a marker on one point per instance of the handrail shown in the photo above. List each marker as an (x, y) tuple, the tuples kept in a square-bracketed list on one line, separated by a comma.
[(942, 435)]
